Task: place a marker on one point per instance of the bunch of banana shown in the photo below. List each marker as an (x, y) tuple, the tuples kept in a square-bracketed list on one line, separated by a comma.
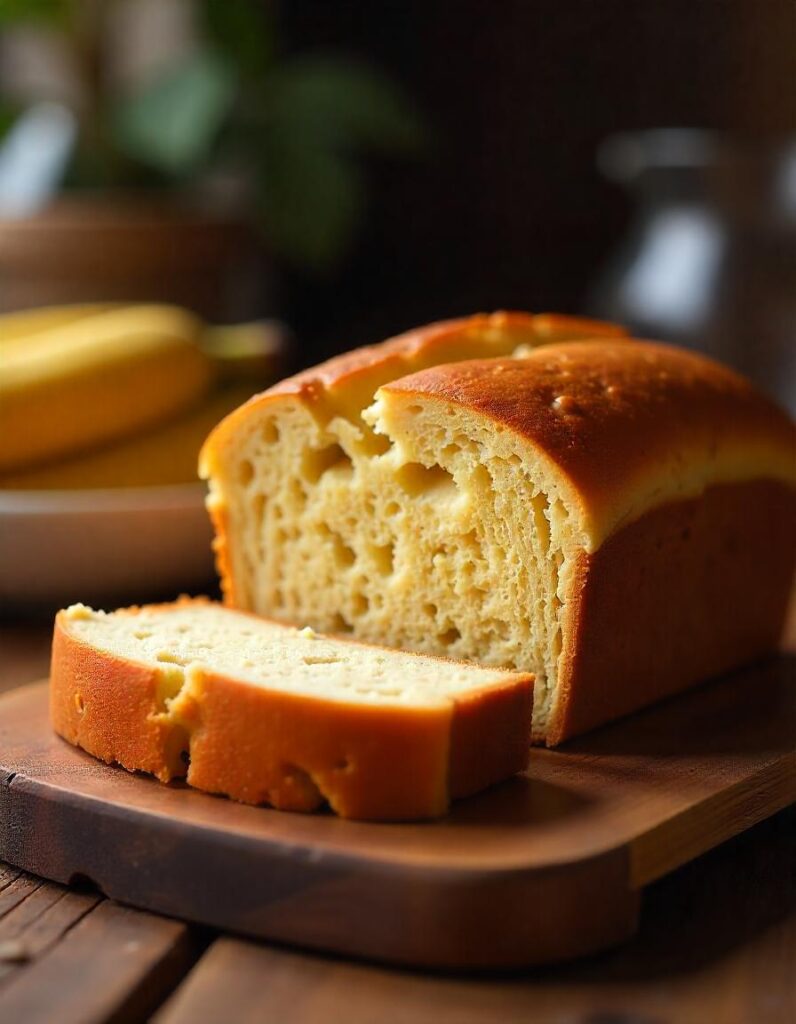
[(112, 394)]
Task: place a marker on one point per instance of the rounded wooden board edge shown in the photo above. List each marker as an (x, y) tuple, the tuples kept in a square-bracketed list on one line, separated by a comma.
[(258, 872), (454, 919)]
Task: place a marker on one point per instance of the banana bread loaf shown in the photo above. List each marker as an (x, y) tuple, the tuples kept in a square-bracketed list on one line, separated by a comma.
[(615, 516)]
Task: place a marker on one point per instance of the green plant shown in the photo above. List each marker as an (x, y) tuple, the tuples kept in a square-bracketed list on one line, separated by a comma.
[(294, 128)]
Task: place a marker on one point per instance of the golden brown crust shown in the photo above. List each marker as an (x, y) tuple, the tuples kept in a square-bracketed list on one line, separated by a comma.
[(688, 591), (358, 373), (109, 707), (351, 380), (642, 441), (483, 748), (219, 518), (435, 343), (291, 751), (628, 426)]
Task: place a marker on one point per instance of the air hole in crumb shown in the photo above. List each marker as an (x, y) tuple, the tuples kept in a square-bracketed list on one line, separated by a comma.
[(245, 472), (450, 636), (450, 450), (481, 479), (384, 557), (321, 659), (343, 554), (169, 658), (430, 610), (417, 479), (540, 506), (340, 625), (392, 508), (315, 463), (413, 410), (360, 604), (374, 444), (259, 507), (270, 432), (297, 493), (142, 634), (470, 540), (298, 779)]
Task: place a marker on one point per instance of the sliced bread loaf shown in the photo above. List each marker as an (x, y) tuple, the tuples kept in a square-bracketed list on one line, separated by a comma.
[(614, 516), (270, 714)]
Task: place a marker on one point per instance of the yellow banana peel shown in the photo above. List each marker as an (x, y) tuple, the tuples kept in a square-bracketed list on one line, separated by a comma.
[(162, 455), (33, 321), (72, 378)]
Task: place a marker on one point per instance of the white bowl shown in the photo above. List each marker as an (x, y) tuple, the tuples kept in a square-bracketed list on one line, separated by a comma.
[(129, 544)]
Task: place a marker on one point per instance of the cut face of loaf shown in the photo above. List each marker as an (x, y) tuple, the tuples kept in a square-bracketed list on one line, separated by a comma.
[(267, 713), (590, 512)]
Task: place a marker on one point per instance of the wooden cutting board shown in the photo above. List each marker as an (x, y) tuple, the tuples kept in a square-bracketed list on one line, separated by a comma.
[(547, 866)]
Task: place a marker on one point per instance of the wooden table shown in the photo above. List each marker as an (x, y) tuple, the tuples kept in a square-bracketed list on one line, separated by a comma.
[(717, 945)]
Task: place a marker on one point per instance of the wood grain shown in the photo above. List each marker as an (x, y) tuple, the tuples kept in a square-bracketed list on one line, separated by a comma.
[(38, 922), (717, 944), (544, 867), (114, 964)]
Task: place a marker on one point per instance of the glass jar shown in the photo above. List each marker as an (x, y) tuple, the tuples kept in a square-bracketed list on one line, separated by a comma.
[(710, 258)]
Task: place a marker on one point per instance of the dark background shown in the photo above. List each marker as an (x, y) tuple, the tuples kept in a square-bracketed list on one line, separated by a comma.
[(507, 208)]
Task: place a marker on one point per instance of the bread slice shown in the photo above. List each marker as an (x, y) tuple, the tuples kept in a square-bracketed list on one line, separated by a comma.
[(614, 516), (270, 714)]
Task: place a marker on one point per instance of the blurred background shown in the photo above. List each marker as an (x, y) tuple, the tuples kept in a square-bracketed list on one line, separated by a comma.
[(324, 175)]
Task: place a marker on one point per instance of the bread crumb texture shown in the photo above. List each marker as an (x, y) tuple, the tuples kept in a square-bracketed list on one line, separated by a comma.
[(273, 714), (451, 511)]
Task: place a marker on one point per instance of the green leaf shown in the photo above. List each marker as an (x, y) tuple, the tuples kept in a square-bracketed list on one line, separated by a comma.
[(9, 112), (173, 122), (311, 200), (243, 30), (305, 130), (343, 103), (49, 12)]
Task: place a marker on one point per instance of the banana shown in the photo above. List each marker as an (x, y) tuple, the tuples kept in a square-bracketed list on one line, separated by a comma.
[(166, 454), (246, 352), (75, 377), (33, 321)]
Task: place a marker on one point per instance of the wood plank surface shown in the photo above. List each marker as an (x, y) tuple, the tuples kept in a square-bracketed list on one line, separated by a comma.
[(541, 868), (717, 945), (109, 963), (39, 922), (71, 956)]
